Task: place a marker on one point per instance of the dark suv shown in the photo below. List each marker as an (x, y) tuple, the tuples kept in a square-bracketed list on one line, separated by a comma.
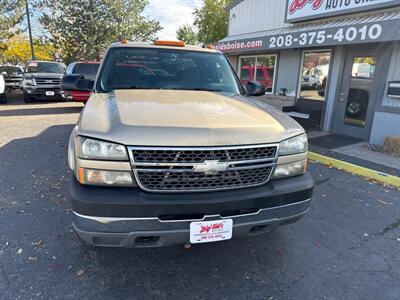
[(42, 81)]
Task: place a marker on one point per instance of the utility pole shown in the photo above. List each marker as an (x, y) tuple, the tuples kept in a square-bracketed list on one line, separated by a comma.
[(29, 28)]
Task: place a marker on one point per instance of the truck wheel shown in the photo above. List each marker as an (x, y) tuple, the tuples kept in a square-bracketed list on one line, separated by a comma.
[(27, 98), (355, 108)]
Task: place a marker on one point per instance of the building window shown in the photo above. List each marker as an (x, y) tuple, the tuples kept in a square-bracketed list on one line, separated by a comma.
[(259, 68), (314, 74)]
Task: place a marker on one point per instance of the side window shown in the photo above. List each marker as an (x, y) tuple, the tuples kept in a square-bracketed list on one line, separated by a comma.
[(245, 74), (260, 75)]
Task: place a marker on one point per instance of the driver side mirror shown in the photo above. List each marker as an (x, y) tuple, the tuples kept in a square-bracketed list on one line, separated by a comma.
[(76, 82), (255, 88)]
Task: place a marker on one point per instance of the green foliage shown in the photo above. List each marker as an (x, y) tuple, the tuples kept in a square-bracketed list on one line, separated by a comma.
[(83, 29), (187, 34), (211, 20), (11, 13)]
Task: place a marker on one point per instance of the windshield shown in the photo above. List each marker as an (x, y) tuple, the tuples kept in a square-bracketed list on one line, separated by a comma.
[(86, 69), (10, 69), (139, 68), (44, 67)]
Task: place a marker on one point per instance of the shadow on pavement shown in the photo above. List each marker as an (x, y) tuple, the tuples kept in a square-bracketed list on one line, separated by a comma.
[(40, 111)]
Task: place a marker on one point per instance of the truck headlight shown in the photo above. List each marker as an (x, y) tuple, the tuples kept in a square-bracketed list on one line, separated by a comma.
[(295, 145), (95, 149), (291, 169), (29, 81), (105, 177)]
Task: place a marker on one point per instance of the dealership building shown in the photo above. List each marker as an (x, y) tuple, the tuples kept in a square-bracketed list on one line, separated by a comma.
[(335, 62)]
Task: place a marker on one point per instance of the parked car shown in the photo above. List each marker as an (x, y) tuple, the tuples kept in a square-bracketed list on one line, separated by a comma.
[(3, 95), (185, 158), (313, 77), (265, 75), (88, 69), (42, 81), (13, 76), (364, 70)]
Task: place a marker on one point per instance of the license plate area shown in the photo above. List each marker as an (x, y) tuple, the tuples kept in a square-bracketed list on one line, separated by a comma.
[(211, 231), (50, 93)]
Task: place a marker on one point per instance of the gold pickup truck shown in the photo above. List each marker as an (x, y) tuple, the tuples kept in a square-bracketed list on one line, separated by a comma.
[(171, 149)]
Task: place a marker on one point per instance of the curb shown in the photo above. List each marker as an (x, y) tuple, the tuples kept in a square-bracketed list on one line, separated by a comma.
[(355, 169)]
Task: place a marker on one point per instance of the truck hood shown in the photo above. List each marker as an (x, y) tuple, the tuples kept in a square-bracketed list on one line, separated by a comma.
[(183, 118)]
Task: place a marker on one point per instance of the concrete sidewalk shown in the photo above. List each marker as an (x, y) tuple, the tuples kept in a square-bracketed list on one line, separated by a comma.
[(354, 156)]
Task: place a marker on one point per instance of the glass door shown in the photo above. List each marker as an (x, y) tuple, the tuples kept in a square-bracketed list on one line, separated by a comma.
[(362, 86)]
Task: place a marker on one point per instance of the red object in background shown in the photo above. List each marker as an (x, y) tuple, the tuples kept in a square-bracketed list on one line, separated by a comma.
[(80, 96), (89, 71), (264, 74)]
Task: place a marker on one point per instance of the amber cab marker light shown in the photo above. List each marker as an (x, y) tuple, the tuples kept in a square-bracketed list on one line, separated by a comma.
[(124, 41), (210, 46), (169, 43)]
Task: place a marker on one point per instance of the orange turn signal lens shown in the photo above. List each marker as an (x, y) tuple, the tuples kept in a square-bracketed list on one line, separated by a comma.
[(169, 43), (81, 175), (124, 41)]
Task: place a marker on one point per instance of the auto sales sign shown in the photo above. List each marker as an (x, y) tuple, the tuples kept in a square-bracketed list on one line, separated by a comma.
[(300, 10)]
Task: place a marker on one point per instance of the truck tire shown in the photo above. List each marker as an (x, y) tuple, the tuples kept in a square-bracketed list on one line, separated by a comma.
[(27, 98), (355, 108)]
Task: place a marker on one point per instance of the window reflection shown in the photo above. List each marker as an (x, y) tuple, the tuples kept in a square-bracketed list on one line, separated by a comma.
[(258, 68), (362, 78), (314, 76)]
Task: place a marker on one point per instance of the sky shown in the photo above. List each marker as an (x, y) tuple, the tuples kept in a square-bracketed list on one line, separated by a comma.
[(171, 14)]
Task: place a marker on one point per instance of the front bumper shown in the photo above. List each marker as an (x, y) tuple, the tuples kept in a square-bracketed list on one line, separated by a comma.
[(40, 92), (13, 85), (132, 218)]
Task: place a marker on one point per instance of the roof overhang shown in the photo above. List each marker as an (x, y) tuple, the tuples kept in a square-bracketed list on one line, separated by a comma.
[(379, 27)]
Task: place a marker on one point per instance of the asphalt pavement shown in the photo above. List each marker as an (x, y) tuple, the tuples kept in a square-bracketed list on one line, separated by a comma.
[(346, 247)]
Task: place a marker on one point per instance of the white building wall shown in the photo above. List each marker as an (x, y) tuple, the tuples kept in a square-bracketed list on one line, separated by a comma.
[(385, 124), (256, 15)]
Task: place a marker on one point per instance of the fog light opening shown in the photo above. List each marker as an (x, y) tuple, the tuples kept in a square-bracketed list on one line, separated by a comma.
[(258, 228), (146, 239)]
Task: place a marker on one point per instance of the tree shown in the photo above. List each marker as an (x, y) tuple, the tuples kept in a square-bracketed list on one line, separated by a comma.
[(19, 51), (83, 29), (11, 13), (187, 34), (211, 20)]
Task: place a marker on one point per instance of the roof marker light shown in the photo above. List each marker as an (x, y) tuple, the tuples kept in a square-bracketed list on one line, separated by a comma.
[(169, 43)]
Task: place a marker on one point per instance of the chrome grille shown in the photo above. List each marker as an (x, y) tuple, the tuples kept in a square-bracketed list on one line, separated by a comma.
[(48, 81), (160, 169), (198, 156)]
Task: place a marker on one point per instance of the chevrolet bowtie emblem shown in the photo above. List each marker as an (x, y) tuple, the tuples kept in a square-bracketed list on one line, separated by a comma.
[(210, 167)]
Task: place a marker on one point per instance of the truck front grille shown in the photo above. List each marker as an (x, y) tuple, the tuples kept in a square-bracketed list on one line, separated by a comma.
[(202, 169), (47, 81)]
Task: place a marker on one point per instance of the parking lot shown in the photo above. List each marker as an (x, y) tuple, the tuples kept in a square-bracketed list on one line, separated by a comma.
[(346, 247)]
